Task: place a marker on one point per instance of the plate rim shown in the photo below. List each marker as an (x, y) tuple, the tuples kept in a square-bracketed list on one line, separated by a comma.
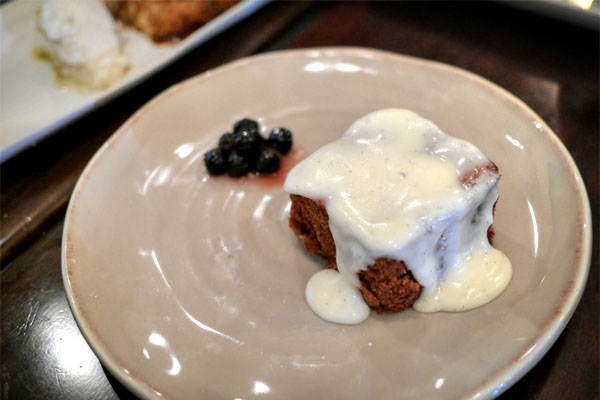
[(492, 387)]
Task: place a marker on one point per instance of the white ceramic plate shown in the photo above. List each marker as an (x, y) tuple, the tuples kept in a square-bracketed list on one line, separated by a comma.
[(189, 286), (33, 105)]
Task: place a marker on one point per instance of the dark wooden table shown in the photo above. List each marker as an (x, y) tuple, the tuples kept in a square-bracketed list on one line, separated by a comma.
[(551, 65)]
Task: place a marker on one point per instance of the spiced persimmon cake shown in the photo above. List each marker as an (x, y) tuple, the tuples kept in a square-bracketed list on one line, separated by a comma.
[(402, 214)]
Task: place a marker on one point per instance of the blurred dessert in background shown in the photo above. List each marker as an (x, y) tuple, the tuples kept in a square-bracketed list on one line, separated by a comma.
[(167, 19), (79, 38)]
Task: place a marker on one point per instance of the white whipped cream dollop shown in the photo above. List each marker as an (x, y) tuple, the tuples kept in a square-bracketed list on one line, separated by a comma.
[(80, 37), (395, 186)]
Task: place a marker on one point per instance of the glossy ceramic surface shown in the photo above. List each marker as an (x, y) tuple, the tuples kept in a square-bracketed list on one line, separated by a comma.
[(33, 104), (189, 286)]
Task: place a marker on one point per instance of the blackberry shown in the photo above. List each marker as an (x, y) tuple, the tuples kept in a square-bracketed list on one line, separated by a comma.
[(247, 142), (226, 143), (238, 165), (245, 150), (245, 124), (280, 139), (268, 161), (215, 162)]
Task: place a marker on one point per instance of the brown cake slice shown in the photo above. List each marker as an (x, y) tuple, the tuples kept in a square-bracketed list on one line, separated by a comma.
[(386, 285)]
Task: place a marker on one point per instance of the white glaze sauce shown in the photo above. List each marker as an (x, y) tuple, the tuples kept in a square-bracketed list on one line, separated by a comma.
[(336, 299), (392, 188)]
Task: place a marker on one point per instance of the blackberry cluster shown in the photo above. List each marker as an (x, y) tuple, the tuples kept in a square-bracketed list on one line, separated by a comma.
[(245, 150)]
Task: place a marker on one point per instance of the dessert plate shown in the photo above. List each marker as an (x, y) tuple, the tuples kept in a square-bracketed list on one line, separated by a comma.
[(33, 105), (190, 286)]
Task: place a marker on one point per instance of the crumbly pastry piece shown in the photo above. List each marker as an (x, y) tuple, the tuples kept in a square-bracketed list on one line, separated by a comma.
[(386, 285), (80, 39), (166, 19), (310, 222)]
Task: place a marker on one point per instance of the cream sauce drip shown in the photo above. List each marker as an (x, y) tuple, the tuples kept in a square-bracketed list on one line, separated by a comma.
[(392, 188), (335, 299)]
